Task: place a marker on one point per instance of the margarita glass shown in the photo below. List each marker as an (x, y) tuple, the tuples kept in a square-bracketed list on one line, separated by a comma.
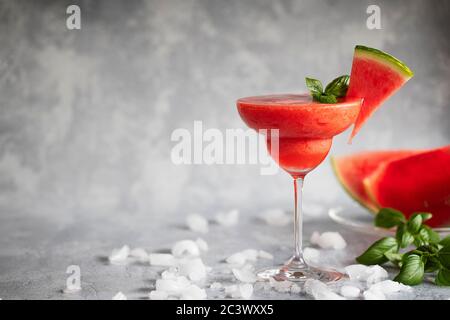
[(305, 132)]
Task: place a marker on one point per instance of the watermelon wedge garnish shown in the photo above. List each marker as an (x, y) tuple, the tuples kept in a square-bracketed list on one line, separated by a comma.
[(418, 183), (406, 180), (351, 170), (375, 76)]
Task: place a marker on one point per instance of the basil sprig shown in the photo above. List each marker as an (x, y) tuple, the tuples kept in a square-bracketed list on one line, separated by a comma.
[(431, 255), (335, 89)]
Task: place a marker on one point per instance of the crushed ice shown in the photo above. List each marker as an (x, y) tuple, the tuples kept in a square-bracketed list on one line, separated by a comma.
[(311, 255), (139, 254), (228, 219), (328, 240), (202, 244), (185, 248), (119, 256), (245, 274), (349, 291), (244, 291), (194, 269), (320, 291), (197, 223), (186, 273), (241, 257), (368, 274)]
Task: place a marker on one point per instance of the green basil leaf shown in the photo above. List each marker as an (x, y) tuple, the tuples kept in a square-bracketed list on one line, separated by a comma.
[(327, 98), (314, 86), (443, 277), (428, 235), (445, 242), (403, 236), (444, 256), (316, 96), (414, 223), (388, 218), (338, 87), (428, 248), (416, 252), (425, 215), (375, 253), (432, 264), (393, 257), (412, 270)]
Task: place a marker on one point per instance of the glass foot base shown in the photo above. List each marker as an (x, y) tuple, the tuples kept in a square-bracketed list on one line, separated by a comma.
[(300, 272)]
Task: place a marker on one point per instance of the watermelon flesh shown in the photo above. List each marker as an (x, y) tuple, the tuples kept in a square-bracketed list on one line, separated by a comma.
[(416, 183), (351, 170), (375, 76)]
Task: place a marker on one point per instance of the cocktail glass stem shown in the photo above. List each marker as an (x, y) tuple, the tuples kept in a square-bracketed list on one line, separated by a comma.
[(296, 265), (298, 221), (296, 269)]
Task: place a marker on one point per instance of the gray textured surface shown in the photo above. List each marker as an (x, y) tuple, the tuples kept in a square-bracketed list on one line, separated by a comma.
[(86, 118), (36, 256)]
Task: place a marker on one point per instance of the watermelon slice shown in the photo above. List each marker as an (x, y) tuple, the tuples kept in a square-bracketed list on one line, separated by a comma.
[(420, 182), (375, 76), (351, 170)]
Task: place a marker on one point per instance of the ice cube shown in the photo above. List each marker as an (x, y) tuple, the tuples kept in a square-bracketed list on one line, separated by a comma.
[(232, 291), (276, 217), (328, 295), (228, 219), (169, 274), (240, 258), (194, 269), (185, 248), (158, 295), (172, 286), (250, 254), (315, 237), (197, 223), (370, 274), (373, 295), (320, 291), (280, 286), (265, 255), (388, 287), (216, 285), (139, 254), (357, 272), (245, 274), (246, 290), (201, 244), (119, 296), (376, 274), (237, 258), (311, 255), (350, 291), (295, 289), (328, 240), (193, 292), (266, 286), (161, 259), (119, 256)]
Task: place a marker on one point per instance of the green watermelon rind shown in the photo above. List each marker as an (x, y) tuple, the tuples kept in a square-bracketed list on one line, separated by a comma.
[(371, 207), (384, 58)]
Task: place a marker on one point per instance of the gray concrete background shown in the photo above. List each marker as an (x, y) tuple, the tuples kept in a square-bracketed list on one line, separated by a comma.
[(86, 116)]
